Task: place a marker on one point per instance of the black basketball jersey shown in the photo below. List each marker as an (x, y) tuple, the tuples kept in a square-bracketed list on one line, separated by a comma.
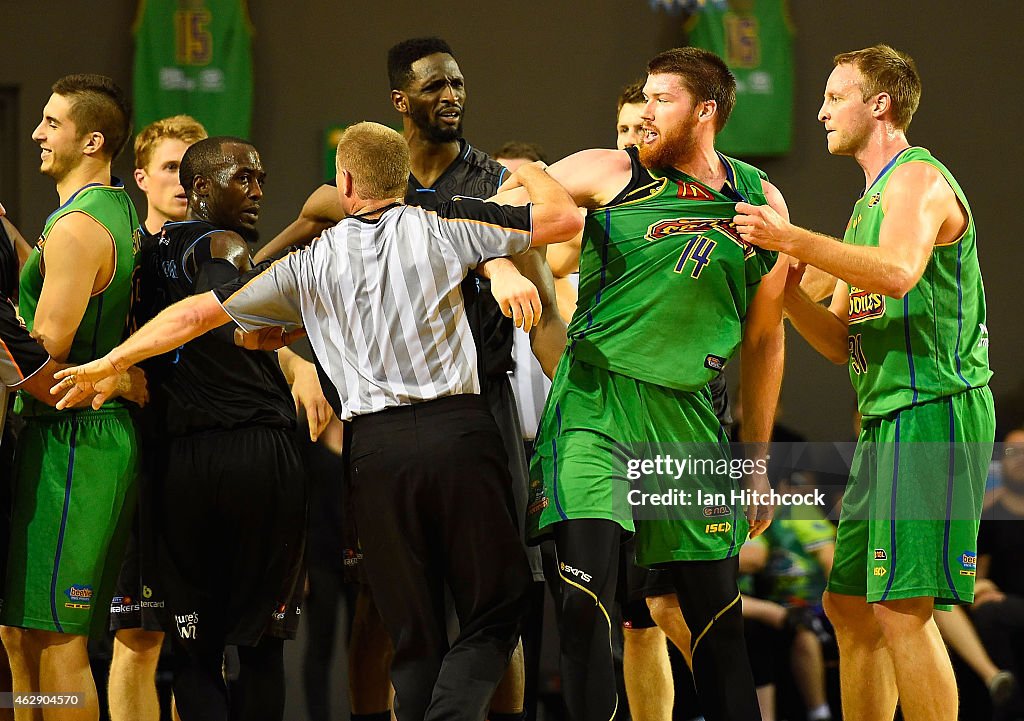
[(473, 173), (209, 383)]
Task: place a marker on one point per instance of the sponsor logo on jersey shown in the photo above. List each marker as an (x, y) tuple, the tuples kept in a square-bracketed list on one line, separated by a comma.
[(280, 612), (714, 362), (879, 571), (124, 604), (79, 596), (969, 559), (723, 527), (187, 624), (351, 557), (716, 511), (880, 555), (873, 200), (692, 191), (865, 305), (566, 568), (698, 226)]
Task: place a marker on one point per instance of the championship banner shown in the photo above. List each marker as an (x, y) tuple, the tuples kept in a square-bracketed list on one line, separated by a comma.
[(194, 57)]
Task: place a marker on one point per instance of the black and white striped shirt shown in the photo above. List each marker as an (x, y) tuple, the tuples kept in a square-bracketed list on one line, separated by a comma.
[(380, 300)]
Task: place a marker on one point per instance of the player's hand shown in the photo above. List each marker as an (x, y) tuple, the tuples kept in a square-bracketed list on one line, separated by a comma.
[(271, 338), (133, 386), (759, 516), (762, 226), (309, 396), (517, 297), (85, 381)]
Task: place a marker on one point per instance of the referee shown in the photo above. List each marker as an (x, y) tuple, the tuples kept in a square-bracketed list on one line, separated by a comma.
[(379, 298)]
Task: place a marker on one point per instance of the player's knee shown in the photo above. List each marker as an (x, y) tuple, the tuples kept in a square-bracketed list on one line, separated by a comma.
[(848, 614), (13, 639), (580, 613), (665, 611), (897, 619), (137, 643)]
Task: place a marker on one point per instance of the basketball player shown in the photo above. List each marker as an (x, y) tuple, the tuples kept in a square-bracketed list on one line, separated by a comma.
[(908, 315), (138, 634), (668, 231), (75, 473)]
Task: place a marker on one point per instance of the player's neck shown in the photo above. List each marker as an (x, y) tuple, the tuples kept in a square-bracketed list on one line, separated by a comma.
[(85, 173), (880, 148), (702, 163), (155, 220), (428, 159)]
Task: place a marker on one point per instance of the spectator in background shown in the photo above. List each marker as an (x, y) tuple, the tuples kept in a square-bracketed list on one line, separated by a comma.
[(998, 610)]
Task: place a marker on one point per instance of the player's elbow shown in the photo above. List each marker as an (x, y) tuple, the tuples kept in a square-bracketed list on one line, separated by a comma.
[(557, 226), (837, 355)]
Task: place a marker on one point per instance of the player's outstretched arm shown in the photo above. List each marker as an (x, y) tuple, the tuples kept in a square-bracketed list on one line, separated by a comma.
[(175, 325), (321, 210), (917, 201)]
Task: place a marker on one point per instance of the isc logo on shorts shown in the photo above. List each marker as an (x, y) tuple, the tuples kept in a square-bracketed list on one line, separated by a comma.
[(723, 527), (879, 571)]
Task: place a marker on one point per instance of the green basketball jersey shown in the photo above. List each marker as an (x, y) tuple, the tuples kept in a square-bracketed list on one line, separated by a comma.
[(105, 321), (665, 279), (934, 342), (195, 57), (755, 39)]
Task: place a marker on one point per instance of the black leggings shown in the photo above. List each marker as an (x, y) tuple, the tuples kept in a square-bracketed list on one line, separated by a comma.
[(710, 602), (587, 566), (201, 695)]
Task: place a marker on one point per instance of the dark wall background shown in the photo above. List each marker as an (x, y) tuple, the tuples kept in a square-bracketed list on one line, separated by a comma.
[(549, 72)]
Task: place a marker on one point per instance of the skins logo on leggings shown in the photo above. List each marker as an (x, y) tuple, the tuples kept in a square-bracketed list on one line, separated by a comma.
[(578, 573)]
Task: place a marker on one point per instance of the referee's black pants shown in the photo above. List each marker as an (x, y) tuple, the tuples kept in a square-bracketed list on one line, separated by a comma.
[(432, 499)]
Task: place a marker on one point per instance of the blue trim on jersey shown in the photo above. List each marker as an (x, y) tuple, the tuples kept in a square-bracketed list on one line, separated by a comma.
[(910, 349), (886, 169), (959, 313), (604, 277), (730, 176), (188, 250), (114, 183), (424, 190), (469, 149), (63, 525), (949, 500), (69, 201), (892, 510), (501, 175), (554, 463)]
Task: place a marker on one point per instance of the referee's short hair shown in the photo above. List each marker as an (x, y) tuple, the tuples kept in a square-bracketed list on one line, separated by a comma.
[(377, 158)]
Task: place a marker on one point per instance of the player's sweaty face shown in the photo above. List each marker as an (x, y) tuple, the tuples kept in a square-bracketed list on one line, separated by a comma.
[(844, 112), (436, 96), (237, 190), (669, 121), (58, 138)]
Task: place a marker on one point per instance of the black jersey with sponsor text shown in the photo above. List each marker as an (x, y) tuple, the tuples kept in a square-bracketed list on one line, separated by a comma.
[(208, 383)]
